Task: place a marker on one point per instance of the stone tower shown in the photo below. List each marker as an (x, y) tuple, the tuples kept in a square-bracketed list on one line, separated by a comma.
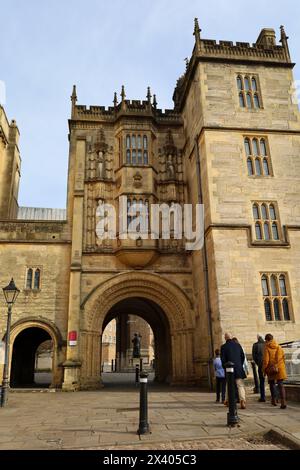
[(10, 167)]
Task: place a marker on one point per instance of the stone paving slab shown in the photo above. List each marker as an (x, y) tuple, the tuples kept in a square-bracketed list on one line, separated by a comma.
[(103, 419)]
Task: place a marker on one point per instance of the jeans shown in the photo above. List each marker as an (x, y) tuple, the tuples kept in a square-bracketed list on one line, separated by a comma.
[(261, 383), (221, 387)]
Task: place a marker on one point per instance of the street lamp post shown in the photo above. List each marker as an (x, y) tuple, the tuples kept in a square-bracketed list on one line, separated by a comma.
[(11, 293)]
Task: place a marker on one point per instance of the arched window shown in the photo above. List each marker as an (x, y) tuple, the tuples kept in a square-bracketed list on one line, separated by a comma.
[(254, 84), (267, 231), (255, 212), (275, 231), (255, 147), (136, 149), (249, 100), (242, 100), (29, 279), (263, 148), (37, 279), (256, 101), (247, 147), (257, 167), (258, 231), (277, 303), (276, 310), (268, 312), (265, 287), (266, 167), (274, 285), (250, 167), (264, 214), (247, 84), (272, 212), (286, 310), (282, 285), (240, 83)]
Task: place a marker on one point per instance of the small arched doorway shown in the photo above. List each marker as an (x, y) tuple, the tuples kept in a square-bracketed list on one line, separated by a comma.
[(32, 359), (151, 314)]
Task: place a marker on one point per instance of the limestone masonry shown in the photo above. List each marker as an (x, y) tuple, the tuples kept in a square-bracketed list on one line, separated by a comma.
[(232, 142)]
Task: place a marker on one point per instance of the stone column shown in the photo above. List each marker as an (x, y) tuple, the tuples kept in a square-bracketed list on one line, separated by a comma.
[(73, 361)]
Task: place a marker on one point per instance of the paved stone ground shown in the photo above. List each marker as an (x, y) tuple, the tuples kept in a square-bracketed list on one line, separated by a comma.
[(108, 419)]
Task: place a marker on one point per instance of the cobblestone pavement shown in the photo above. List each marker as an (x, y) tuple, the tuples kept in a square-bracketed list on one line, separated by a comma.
[(108, 418)]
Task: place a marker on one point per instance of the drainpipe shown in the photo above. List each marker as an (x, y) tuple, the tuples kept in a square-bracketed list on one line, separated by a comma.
[(205, 268)]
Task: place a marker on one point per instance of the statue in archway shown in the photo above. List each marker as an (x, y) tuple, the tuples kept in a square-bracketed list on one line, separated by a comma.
[(136, 346), (101, 170)]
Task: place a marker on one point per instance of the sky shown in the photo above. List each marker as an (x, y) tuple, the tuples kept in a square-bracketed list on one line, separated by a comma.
[(99, 45)]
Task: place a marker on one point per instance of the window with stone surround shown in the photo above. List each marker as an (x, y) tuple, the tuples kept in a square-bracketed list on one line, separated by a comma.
[(33, 279), (249, 91), (135, 208), (258, 156), (136, 146), (267, 225), (276, 295)]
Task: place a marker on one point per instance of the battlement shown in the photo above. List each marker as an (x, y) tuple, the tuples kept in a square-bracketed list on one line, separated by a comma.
[(265, 51), (133, 108)]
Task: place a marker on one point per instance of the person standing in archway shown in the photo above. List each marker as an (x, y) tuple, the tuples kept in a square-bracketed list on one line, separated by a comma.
[(136, 346)]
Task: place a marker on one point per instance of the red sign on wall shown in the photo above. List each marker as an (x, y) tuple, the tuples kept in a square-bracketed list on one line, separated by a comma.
[(72, 338)]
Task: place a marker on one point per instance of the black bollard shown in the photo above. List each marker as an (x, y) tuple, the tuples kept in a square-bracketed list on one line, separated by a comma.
[(141, 364), (137, 373), (256, 384), (232, 416), (112, 365), (144, 425)]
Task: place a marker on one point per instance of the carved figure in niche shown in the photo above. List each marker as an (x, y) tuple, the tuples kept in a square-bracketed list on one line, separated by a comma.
[(170, 168), (101, 170)]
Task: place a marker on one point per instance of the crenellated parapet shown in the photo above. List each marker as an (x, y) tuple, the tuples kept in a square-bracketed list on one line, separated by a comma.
[(264, 51), (126, 108)]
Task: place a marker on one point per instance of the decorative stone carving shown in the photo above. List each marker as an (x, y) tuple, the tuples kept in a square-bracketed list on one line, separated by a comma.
[(137, 180)]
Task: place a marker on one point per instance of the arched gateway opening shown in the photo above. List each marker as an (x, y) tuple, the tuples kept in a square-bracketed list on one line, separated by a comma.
[(32, 357), (161, 303), (153, 315)]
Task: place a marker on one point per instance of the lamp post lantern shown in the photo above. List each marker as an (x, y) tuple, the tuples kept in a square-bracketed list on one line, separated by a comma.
[(10, 293)]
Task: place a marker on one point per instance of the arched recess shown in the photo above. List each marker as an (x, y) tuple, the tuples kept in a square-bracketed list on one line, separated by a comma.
[(158, 291), (58, 345)]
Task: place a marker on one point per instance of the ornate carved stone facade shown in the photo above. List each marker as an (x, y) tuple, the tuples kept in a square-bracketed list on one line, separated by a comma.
[(194, 153)]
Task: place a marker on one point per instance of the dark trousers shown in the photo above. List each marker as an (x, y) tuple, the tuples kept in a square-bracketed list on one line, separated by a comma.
[(261, 384), (221, 388)]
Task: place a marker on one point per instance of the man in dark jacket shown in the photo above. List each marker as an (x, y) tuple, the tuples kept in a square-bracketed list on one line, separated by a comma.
[(258, 355), (233, 352)]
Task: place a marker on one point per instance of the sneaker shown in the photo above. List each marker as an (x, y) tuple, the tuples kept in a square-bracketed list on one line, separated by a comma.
[(225, 403), (262, 400)]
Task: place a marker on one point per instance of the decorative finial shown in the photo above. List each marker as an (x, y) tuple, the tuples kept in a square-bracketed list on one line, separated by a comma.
[(154, 102), (74, 94), (197, 35), (149, 95), (74, 100), (115, 101), (123, 95), (284, 41), (186, 63)]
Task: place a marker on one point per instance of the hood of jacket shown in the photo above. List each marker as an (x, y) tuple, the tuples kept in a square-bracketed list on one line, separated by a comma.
[(272, 344)]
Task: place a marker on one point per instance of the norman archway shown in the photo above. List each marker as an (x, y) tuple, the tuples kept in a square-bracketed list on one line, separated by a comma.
[(156, 290), (48, 330)]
